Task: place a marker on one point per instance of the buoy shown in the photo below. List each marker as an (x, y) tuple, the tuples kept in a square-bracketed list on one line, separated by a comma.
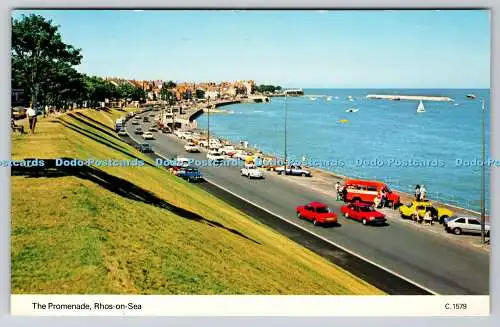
[(343, 120)]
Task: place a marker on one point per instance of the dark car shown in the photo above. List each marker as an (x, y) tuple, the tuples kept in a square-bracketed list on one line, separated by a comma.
[(145, 148), (138, 131), (190, 174), (145, 119)]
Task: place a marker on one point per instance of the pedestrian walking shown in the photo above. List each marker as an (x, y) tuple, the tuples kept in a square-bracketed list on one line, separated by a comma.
[(417, 192), (337, 190), (31, 113)]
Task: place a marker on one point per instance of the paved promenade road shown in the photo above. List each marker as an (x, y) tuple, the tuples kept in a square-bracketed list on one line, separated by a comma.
[(431, 261)]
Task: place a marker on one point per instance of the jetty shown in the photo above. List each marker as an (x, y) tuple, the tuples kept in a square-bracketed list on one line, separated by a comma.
[(409, 97)]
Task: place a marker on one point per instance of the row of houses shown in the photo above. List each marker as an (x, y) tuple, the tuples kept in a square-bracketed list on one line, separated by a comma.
[(188, 90)]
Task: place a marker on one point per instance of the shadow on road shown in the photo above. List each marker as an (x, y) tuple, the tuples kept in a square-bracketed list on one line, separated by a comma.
[(116, 185)]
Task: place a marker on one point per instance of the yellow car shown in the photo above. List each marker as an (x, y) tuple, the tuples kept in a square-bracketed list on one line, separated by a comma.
[(439, 214)]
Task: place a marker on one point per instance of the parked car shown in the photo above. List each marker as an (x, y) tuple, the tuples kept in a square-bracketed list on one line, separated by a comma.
[(367, 191), (214, 155), (316, 212), (461, 224), (19, 112), (166, 129), (364, 212), (135, 122), (148, 136), (251, 171), (122, 132), (145, 148), (145, 119), (437, 213), (226, 149), (190, 174), (153, 129), (191, 147), (293, 170), (138, 131)]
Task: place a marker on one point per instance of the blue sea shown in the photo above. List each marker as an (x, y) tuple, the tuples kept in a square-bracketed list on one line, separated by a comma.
[(385, 140)]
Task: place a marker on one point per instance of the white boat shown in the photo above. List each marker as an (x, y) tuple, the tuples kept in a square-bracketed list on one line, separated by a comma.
[(352, 110), (313, 98), (329, 98), (420, 107), (470, 96), (336, 98)]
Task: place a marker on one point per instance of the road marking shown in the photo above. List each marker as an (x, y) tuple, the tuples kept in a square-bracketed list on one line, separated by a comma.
[(325, 239)]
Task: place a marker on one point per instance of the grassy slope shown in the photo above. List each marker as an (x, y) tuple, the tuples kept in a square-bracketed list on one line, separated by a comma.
[(71, 235)]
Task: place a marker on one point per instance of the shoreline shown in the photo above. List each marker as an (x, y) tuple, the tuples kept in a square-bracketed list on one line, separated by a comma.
[(327, 174)]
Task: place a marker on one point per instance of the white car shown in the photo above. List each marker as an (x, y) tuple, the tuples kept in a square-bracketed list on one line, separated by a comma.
[(122, 132), (185, 135), (148, 136), (214, 155), (227, 149), (191, 147), (251, 171), (459, 225), (293, 170)]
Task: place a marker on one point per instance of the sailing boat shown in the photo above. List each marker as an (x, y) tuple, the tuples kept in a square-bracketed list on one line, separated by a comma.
[(420, 107)]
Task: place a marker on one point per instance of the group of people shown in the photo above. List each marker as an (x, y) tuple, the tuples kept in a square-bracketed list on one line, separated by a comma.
[(420, 193), (341, 192)]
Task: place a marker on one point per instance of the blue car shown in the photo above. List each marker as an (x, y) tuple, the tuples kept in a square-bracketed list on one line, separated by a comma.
[(190, 174)]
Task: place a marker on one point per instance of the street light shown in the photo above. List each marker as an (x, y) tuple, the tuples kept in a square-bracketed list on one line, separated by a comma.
[(286, 114), (483, 177)]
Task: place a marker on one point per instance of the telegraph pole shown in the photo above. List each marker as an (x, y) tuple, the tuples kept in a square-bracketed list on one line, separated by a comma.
[(483, 177), (286, 114)]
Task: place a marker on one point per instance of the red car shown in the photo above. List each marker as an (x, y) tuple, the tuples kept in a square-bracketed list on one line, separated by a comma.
[(364, 212), (316, 212)]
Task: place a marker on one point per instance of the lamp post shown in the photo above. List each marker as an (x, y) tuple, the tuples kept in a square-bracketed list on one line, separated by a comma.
[(208, 123), (483, 176), (286, 114)]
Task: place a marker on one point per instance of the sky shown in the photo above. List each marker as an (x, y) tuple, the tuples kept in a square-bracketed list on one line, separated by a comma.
[(309, 49)]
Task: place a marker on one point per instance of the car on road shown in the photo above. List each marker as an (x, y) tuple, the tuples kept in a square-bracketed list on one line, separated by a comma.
[(145, 148), (153, 129), (226, 149), (368, 190), (462, 224), (437, 213), (214, 155), (191, 147), (316, 212), (190, 174), (166, 129), (363, 212), (148, 136), (251, 171), (122, 132), (138, 131), (295, 170), (135, 122), (145, 119)]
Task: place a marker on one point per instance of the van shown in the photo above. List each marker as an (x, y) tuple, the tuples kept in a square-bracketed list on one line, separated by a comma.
[(367, 191)]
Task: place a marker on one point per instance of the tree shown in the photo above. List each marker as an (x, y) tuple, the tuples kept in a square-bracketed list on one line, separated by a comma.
[(200, 94), (38, 52), (170, 84)]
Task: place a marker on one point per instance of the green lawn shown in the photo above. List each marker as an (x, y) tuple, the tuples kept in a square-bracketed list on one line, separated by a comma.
[(140, 230)]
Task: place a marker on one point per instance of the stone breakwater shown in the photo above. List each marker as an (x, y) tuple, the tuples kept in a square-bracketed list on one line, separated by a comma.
[(409, 97)]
